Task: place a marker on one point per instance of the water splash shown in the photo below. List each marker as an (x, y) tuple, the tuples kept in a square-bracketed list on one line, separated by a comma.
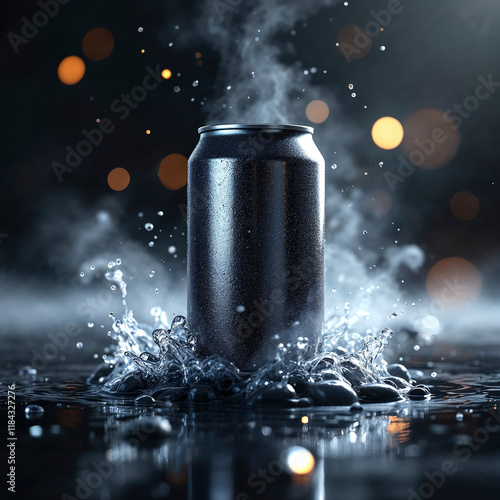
[(156, 363)]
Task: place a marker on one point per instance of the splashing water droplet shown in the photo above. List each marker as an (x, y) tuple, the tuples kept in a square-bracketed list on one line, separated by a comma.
[(148, 226), (334, 166), (33, 412), (79, 345)]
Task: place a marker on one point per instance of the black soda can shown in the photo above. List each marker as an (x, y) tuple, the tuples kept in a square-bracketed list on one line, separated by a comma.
[(255, 268)]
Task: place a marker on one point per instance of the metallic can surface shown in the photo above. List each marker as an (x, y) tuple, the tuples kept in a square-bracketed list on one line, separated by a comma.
[(256, 196)]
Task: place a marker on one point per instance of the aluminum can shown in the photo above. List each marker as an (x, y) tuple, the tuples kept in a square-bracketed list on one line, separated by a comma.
[(255, 267)]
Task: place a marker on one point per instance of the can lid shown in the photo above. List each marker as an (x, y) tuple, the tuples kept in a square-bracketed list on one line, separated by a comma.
[(262, 126)]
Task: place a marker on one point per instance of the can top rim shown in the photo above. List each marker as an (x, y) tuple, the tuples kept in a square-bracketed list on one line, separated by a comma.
[(265, 126)]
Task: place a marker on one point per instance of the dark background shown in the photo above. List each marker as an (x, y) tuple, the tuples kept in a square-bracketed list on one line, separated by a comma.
[(435, 51)]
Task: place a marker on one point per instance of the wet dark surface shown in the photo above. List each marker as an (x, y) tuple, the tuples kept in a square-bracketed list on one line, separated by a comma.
[(89, 446)]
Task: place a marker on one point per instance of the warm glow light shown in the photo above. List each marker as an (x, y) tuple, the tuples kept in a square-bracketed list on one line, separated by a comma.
[(317, 111), (142, 51), (300, 460), (197, 55), (118, 179), (431, 138), (305, 419), (387, 133), (353, 42), (172, 171), (98, 44), (166, 73), (464, 205), (453, 281), (148, 131), (398, 429), (71, 70)]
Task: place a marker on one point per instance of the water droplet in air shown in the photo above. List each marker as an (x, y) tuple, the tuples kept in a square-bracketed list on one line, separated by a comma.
[(392, 316), (365, 231), (90, 325), (27, 372), (334, 166), (148, 226), (416, 347), (351, 86), (177, 88), (459, 417), (381, 164), (79, 345), (382, 48), (171, 249), (240, 308), (82, 274), (160, 213), (140, 29), (151, 244), (195, 83), (353, 94)]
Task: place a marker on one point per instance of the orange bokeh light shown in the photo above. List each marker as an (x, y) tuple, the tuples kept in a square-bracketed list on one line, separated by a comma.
[(431, 139), (166, 74), (387, 133), (118, 179), (317, 111), (300, 461), (353, 42), (453, 281), (172, 171), (464, 205), (71, 70), (98, 44)]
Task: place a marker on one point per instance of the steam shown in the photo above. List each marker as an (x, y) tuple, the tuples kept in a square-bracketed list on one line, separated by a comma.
[(255, 85)]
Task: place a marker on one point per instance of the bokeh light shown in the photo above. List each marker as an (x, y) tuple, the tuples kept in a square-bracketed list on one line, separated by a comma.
[(299, 460), (317, 111), (353, 42), (172, 171), (431, 138), (71, 70), (166, 73), (387, 132), (197, 55), (118, 179), (464, 205), (98, 44), (453, 281)]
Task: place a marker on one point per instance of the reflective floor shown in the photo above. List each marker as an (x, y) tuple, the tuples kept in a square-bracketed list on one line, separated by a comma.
[(86, 446)]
